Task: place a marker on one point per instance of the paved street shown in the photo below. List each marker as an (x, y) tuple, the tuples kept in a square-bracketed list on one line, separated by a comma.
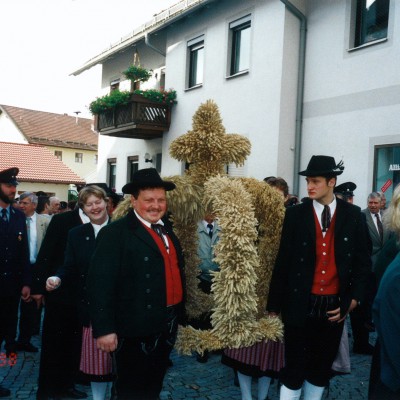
[(188, 379)]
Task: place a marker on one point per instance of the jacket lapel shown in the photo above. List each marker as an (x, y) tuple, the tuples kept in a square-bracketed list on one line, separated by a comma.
[(140, 231)]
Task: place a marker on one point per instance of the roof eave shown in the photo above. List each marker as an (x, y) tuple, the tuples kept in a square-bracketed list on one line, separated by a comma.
[(159, 22)]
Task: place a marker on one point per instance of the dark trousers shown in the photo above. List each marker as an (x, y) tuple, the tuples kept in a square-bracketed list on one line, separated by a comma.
[(360, 332), (141, 364), (29, 318), (61, 349), (311, 350), (8, 320)]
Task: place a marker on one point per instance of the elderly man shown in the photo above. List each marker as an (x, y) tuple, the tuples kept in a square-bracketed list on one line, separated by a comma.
[(135, 289), (54, 205), (37, 226), (319, 277), (15, 274)]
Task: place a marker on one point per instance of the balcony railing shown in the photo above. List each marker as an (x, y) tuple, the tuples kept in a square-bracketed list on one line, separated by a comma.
[(139, 119)]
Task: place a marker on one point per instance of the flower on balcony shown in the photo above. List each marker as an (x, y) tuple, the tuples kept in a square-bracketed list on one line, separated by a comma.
[(136, 73), (109, 102), (159, 96)]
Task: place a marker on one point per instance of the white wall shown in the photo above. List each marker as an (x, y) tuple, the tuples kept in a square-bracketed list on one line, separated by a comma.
[(59, 190)]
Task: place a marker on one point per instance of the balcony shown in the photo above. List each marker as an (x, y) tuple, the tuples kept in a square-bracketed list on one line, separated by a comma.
[(139, 119)]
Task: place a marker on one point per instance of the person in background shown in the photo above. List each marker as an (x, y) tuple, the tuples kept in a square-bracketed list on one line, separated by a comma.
[(383, 201), (319, 277), (384, 383), (135, 289), (54, 205), (43, 206), (63, 206), (15, 271), (62, 331), (208, 236), (345, 191), (30, 314), (94, 363), (279, 184)]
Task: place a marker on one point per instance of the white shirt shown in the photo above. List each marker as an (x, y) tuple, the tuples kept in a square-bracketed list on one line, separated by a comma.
[(97, 227), (148, 224), (32, 234), (318, 207), (375, 220)]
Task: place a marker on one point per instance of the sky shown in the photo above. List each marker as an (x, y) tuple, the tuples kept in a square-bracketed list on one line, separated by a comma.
[(44, 41)]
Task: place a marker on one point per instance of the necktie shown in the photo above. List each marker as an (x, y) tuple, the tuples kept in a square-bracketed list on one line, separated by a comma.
[(28, 228), (326, 218), (4, 215), (379, 224), (160, 230), (210, 229)]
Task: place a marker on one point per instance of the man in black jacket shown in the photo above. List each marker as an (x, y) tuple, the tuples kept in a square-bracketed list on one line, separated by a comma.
[(135, 289), (319, 276)]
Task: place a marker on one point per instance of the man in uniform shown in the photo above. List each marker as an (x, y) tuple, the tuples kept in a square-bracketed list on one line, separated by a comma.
[(15, 274), (319, 276), (135, 289)]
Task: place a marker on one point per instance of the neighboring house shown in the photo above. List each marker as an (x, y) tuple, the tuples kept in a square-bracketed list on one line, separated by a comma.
[(71, 139), (297, 77), (39, 169)]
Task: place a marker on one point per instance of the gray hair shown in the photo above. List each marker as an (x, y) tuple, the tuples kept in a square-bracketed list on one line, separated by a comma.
[(30, 195), (374, 195)]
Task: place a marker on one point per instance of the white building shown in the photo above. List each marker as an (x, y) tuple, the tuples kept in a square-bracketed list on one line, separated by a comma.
[(296, 77)]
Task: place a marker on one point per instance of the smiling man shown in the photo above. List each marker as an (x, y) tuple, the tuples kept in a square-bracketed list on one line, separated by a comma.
[(319, 277), (135, 289)]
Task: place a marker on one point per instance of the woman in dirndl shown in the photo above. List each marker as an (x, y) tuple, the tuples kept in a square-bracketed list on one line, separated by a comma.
[(95, 364)]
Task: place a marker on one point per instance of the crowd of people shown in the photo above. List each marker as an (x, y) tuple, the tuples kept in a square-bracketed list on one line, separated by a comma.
[(112, 290)]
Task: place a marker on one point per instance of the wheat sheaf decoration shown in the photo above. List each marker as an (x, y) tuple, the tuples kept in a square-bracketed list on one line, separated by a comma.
[(250, 214)]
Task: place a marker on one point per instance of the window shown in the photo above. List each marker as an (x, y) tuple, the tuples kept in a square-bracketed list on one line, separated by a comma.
[(96, 159), (112, 172), (240, 45), (387, 169), (79, 158), (196, 61), (58, 154), (158, 162), (133, 166), (371, 21), (114, 85)]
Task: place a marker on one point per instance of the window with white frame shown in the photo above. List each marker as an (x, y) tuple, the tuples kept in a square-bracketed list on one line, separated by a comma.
[(133, 166), (372, 18), (239, 36), (58, 154), (195, 61), (79, 158), (112, 172)]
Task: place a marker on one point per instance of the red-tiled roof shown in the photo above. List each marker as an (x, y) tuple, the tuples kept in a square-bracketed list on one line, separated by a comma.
[(36, 164), (51, 129)]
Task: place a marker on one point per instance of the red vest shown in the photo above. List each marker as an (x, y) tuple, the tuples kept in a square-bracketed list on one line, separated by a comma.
[(172, 274), (326, 280)]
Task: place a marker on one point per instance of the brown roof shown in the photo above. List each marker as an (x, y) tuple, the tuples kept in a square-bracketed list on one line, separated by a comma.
[(49, 129), (36, 164)]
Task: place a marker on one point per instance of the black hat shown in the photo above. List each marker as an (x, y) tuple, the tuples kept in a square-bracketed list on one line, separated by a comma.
[(323, 166), (346, 189), (147, 178), (9, 176)]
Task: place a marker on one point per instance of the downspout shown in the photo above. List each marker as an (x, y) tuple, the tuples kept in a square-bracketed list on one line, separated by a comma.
[(300, 92), (148, 44)]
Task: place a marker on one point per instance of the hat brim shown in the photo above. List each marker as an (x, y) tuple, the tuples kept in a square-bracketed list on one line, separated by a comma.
[(320, 173), (131, 187)]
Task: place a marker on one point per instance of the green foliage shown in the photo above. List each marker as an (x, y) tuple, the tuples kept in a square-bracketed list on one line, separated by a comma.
[(158, 96), (109, 101), (136, 73)]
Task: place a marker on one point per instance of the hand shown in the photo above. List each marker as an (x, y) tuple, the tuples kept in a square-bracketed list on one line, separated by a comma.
[(26, 294), (38, 298), (108, 342), (52, 283), (335, 314)]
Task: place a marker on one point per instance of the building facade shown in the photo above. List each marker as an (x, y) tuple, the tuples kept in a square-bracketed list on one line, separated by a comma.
[(296, 77)]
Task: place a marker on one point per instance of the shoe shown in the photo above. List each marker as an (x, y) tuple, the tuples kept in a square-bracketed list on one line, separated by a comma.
[(202, 358), (74, 394), (28, 347), (4, 392), (366, 350)]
